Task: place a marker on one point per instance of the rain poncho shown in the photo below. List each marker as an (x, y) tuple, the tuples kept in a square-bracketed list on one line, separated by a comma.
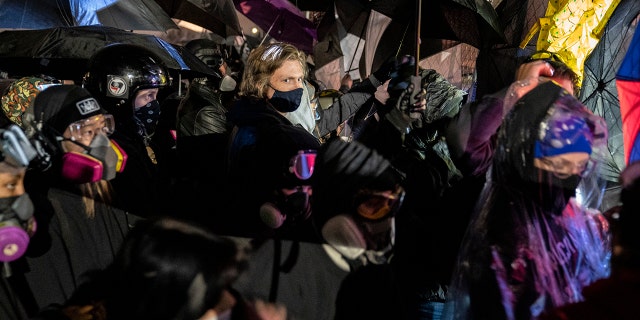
[(530, 246)]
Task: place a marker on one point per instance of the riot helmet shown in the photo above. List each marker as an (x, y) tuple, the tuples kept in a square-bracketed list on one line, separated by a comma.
[(116, 72)]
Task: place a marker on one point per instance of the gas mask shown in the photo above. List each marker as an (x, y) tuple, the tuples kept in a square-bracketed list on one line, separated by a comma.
[(17, 226), (103, 159), (292, 205), (367, 234), (227, 84)]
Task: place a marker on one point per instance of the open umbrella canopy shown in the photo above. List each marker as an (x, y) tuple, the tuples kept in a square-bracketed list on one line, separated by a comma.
[(63, 52), (41, 14), (134, 15), (598, 91), (217, 16), (467, 21), (281, 20), (628, 85)]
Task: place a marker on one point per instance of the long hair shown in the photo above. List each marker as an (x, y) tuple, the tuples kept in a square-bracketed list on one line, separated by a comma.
[(262, 62)]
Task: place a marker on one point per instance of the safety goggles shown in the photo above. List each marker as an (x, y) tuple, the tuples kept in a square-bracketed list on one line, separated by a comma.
[(85, 129), (375, 205), (563, 168), (303, 163)]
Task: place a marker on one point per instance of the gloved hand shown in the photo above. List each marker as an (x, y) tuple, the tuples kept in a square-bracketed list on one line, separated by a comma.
[(408, 106)]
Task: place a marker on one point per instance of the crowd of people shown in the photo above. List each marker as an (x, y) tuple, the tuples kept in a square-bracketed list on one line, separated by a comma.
[(261, 194)]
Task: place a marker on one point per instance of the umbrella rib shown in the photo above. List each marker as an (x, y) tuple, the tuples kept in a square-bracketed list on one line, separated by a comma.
[(271, 27)]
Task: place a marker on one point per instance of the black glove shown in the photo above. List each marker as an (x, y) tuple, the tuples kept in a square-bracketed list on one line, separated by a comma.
[(409, 100)]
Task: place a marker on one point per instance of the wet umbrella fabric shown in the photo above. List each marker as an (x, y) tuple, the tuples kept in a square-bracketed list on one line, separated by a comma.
[(217, 16), (135, 15), (468, 21), (599, 92), (63, 52), (628, 85), (42, 14), (280, 19)]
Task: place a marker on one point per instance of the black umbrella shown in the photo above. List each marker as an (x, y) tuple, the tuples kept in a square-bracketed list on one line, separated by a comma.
[(41, 14), (468, 21), (135, 15), (64, 52), (599, 92), (217, 16)]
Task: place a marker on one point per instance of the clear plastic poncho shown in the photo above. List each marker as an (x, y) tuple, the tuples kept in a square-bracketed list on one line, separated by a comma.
[(530, 246)]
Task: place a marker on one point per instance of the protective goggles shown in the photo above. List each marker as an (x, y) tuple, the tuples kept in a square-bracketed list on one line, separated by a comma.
[(375, 205), (86, 129), (303, 163)]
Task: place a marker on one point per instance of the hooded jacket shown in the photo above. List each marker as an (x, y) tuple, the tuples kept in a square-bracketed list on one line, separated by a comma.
[(529, 245)]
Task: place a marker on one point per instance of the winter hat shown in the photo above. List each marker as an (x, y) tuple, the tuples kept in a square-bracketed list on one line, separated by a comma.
[(60, 106), (563, 134)]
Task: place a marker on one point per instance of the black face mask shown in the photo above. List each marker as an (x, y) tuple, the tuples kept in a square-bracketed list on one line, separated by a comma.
[(147, 116), (286, 101)]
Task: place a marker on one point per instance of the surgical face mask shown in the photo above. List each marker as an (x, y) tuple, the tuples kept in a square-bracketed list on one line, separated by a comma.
[(227, 84), (286, 101), (17, 225), (147, 116), (304, 115)]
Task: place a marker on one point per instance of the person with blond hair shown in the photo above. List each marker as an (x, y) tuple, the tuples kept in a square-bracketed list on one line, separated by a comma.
[(262, 191)]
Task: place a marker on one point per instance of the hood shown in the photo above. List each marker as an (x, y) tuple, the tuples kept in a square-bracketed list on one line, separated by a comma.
[(541, 112)]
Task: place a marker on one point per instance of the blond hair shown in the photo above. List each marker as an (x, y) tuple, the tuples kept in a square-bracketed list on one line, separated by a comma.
[(262, 62)]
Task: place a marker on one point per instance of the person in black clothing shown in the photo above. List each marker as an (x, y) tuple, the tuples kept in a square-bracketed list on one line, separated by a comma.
[(530, 245), (263, 142), (202, 132), (78, 228), (125, 79)]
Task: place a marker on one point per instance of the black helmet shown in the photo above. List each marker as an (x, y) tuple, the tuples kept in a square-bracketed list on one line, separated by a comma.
[(210, 52), (116, 72)]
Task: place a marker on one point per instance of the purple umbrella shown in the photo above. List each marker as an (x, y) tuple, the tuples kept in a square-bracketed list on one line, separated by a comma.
[(282, 20)]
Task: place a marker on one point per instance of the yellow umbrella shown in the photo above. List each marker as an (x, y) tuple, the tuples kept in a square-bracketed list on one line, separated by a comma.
[(571, 29)]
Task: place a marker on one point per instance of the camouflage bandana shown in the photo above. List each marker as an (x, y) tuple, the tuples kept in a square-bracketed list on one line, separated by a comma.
[(20, 96)]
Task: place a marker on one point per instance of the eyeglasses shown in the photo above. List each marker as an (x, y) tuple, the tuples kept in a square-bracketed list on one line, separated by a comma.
[(86, 129), (303, 163), (563, 168), (375, 205)]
